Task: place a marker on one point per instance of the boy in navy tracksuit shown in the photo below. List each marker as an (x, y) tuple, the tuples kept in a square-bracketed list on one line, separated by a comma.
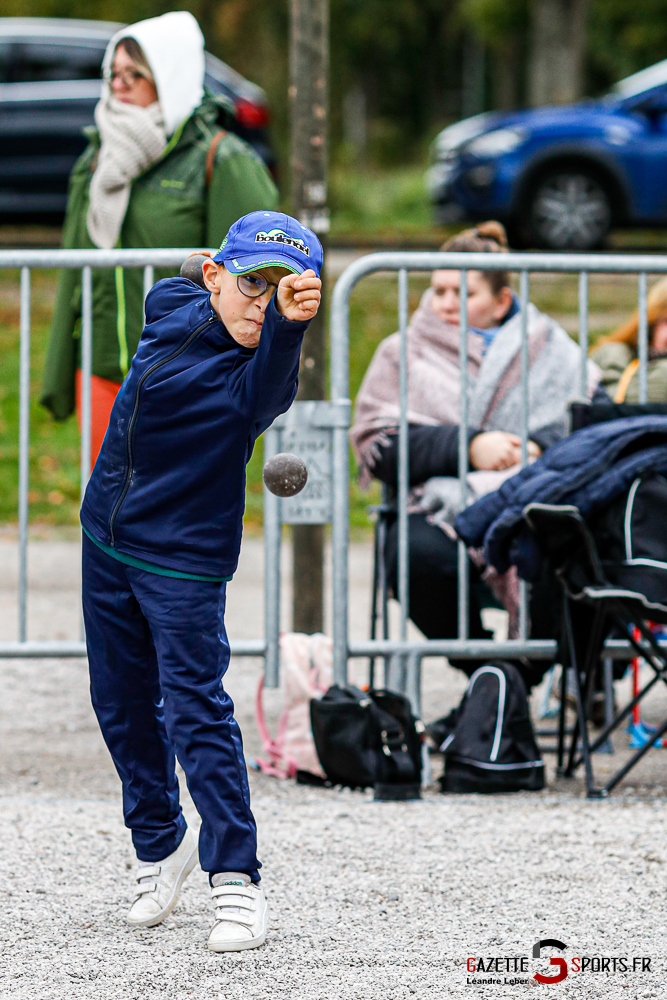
[(162, 521)]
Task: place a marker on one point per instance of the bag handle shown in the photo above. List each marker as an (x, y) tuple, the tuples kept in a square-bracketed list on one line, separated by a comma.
[(210, 156), (394, 745), (279, 765)]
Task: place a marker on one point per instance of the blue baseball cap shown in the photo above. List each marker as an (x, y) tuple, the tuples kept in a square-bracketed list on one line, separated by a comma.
[(270, 239)]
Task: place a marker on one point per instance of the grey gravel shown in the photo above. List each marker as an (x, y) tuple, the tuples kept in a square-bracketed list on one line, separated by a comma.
[(367, 900)]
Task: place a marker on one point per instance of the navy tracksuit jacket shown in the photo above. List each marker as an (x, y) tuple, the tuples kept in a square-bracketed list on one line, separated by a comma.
[(168, 490)]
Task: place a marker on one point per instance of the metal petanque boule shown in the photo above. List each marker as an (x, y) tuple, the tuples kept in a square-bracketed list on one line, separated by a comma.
[(191, 268), (285, 474)]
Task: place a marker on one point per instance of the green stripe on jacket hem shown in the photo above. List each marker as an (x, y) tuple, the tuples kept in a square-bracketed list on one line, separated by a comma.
[(151, 567)]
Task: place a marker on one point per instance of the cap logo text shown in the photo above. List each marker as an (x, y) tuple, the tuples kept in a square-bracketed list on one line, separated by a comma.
[(280, 236)]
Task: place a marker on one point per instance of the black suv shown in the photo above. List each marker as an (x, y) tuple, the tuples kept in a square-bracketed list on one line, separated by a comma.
[(49, 86)]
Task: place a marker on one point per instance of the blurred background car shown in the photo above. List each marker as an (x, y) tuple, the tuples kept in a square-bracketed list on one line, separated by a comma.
[(50, 83), (560, 177)]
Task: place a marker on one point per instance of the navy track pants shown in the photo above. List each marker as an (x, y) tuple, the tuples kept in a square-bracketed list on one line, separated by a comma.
[(157, 651)]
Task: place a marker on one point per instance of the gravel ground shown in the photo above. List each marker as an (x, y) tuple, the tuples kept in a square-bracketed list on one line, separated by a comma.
[(367, 900)]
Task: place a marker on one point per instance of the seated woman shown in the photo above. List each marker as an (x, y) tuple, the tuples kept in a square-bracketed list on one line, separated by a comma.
[(617, 354), (494, 409)]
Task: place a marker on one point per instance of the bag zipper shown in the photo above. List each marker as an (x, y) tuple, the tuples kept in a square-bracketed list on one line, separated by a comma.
[(135, 413)]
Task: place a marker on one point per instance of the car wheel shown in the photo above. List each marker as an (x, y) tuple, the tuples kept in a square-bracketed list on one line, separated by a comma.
[(569, 210)]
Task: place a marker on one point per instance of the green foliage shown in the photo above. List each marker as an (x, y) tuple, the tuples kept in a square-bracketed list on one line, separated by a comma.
[(405, 54), (402, 51), (368, 202), (624, 37), (495, 21)]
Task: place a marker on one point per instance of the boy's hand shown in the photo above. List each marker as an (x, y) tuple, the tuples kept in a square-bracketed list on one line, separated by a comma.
[(298, 296)]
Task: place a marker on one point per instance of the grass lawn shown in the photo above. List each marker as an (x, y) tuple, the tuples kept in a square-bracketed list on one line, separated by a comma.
[(389, 207), (54, 447)]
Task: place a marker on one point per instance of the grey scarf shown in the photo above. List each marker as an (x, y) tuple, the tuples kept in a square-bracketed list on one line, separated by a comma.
[(495, 400), (132, 138)]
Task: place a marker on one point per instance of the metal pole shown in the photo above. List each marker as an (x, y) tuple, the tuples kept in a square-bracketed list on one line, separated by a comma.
[(583, 331), (642, 339), (525, 416), (403, 458), (272, 544), (86, 377), (414, 682), (463, 452), (308, 93), (24, 450), (340, 316), (149, 279), (422, 260), (86, 372)]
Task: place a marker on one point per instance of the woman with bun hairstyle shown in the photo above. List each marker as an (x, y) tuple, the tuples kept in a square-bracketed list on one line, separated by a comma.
[(494, 413), (617, 354), (160, 170)]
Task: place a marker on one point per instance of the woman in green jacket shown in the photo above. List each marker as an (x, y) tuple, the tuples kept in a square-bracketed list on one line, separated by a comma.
[(617, 354), (158, 172)]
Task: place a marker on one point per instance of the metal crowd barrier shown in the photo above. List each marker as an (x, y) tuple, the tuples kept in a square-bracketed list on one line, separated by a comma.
[(319, 431), (404, 657), (86, 261)]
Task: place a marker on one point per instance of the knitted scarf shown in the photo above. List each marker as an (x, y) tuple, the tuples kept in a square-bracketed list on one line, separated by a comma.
[(433, 382), (132, 138), (494, 380)]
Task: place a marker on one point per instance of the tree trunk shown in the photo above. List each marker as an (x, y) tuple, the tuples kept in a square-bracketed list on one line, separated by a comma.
[(506, 76), (558, 50), (308, 92)]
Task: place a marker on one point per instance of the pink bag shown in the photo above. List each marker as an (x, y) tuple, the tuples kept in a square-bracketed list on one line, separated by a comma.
[(306, 666)]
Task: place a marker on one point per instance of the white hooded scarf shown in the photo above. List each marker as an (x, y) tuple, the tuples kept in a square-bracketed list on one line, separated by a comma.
[(132, 138)]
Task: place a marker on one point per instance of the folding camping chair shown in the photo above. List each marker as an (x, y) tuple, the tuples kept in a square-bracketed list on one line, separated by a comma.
[(591, 608)]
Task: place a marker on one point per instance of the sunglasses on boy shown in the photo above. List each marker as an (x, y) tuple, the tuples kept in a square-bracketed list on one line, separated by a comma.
[(253, 285)]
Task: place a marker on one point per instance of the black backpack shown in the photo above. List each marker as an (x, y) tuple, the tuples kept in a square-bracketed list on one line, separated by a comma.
[(631, 538), (492, 747), (368, 739)]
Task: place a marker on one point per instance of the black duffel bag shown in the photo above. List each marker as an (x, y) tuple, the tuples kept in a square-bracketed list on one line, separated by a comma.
[(368, 739)]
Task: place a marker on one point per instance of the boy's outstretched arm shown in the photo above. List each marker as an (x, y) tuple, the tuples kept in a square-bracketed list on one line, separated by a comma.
[(269, 382)]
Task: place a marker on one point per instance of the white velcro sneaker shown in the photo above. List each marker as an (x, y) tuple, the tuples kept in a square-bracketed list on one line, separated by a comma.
[(240, 913), (159, 884)]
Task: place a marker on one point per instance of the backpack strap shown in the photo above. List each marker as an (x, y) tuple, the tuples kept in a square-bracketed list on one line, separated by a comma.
[(625, 380), (210, 156), (394, 746)]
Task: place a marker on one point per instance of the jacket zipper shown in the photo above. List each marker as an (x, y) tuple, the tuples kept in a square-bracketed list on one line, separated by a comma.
[(135, 412)]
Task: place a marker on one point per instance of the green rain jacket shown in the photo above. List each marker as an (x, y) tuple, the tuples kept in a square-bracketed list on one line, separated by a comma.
[(614, 357), (170, 206)]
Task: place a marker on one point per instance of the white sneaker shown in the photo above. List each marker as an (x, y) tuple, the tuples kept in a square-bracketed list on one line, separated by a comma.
[(240, 913), (159, 885)]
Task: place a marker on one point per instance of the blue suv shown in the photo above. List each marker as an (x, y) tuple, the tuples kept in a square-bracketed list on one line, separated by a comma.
[(560, 177)]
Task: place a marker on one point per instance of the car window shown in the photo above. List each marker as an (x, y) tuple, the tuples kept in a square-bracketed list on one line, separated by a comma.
[(216, 86), (35, 61), (4, 62)]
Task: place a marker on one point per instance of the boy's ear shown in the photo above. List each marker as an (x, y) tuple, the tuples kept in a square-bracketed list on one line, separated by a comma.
[(212, 275)]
